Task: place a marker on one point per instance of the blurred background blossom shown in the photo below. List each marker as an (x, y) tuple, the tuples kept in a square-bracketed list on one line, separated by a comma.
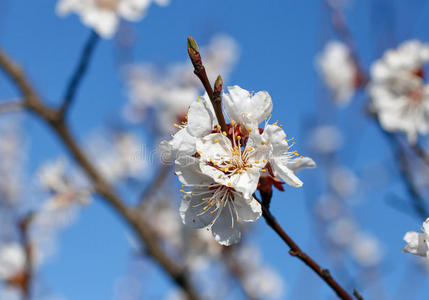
[(348, 81)]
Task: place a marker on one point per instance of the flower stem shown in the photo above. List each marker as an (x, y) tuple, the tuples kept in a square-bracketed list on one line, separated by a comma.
[(200, 71), (296, 251)]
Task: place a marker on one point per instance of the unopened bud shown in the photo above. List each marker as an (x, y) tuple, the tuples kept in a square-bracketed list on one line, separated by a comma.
[(194, 52), (218, 85)]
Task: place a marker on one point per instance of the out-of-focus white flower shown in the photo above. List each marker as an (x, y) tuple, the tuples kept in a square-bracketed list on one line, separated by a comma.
[(366, 250), (258, 279), (51, 217), (11, 163), (104, 15), (418, 243), (196, 247), (328, 207), (64, 187), (264, 283), (10, 293), (326, 139), (119, 155), (342, 231), (12, 260), (212, 205), (343, 181), (398, 91), (169, 92), (339, 71)]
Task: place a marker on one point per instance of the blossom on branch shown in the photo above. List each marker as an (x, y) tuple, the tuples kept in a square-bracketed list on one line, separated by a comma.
[(418, 242), (221, 170), (399, 94), (104, 15)]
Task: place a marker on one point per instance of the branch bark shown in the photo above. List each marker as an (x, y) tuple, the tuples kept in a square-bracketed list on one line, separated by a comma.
[(200, 71), (296, 251), (131, 216)]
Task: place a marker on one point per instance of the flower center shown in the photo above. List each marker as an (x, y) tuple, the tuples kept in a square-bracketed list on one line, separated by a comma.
[(107, 4)]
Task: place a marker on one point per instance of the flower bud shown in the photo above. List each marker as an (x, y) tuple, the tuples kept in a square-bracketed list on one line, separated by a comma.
[(194, 52)]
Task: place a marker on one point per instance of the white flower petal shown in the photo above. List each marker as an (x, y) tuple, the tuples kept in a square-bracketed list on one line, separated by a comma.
[(188, 171), (183, 143), (225, 230), (298, 164), (282, 171), (417, 243), (246, 182), (248, 211), (201, 118), (192, 213)]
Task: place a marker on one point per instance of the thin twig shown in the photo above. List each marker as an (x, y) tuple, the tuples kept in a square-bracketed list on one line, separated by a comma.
[(200, 71), (79, 73), (132, 217), (296, 251)]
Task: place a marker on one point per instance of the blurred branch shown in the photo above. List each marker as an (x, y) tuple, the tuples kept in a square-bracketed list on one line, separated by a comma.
[(236, 271), (155, 185), (340, 26), (10, 106), (421, 153), (132, 217), (413, 190), (27, 275), (79, 72), (296, 251), (404, 169)]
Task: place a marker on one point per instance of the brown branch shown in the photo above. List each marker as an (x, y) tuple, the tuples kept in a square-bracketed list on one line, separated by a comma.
[(130, 216), (296, 251), (28, 272), (200, 71), (79, 73)]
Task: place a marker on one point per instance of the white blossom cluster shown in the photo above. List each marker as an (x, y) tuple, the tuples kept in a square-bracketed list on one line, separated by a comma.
[(45, 218), (104, 15), (118, 155), (169, 91), (399, 94), (339, 71), (221, 170)]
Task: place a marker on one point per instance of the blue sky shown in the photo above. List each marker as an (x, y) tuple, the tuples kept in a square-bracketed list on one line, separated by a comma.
[(279, 41)]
